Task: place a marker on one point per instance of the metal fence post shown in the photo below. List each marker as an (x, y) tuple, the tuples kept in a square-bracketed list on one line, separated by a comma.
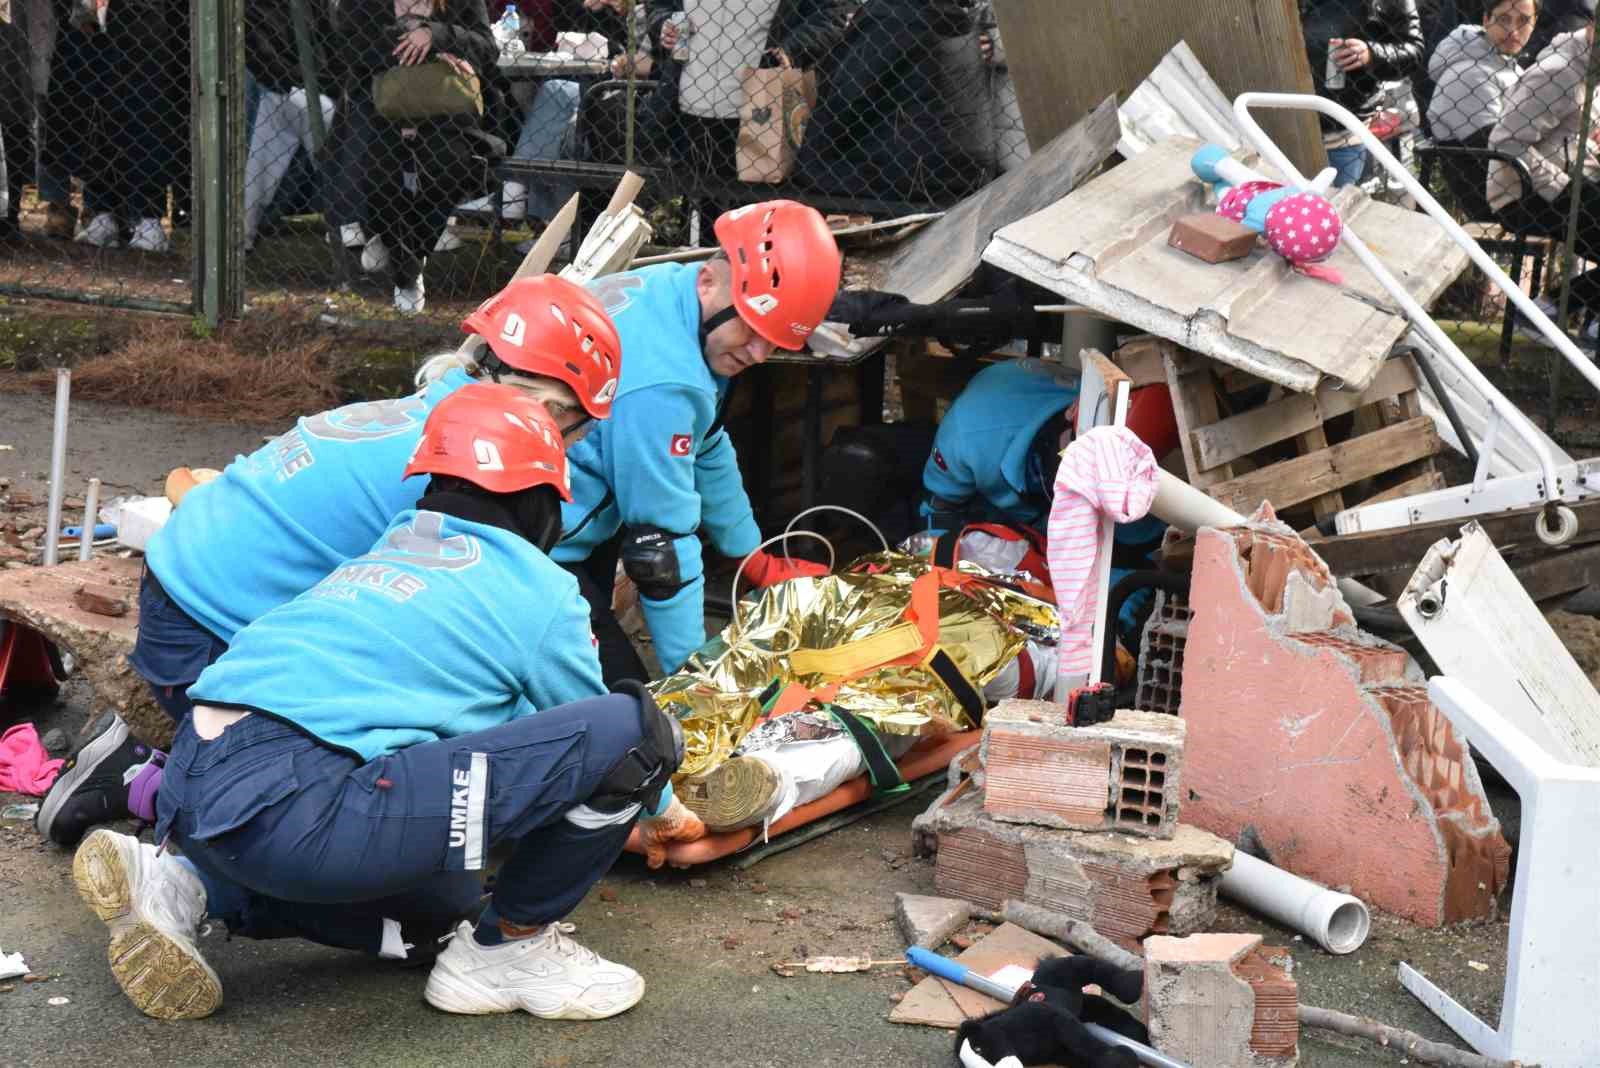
[(1575, 202), (217, 51)]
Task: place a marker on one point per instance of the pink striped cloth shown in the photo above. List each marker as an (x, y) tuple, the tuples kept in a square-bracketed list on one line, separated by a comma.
[(1109, 472)]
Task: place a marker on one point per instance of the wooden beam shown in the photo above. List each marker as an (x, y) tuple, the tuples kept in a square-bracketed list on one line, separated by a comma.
[(1297, 414), (1141, 359), (1323, 505), (1194, 403), (1400, 549), (1304, 477), (1560, 573), (1426, 482)]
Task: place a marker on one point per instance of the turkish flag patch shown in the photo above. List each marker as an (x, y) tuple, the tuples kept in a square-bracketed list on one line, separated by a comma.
[(680, 444), (938, 458)]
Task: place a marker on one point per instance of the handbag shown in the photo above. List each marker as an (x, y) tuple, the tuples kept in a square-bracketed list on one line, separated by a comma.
[(431, 90)]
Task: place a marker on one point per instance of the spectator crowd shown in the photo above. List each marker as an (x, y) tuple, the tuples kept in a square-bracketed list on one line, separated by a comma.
[(420, 99)]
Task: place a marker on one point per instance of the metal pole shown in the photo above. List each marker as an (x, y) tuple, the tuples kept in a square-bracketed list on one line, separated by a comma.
[(1574, 206), (91, 505), (58, 461)]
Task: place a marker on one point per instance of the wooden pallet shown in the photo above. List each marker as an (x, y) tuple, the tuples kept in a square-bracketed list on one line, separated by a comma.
[(1311, 454)]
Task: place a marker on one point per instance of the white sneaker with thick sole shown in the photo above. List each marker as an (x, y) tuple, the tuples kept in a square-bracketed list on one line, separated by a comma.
[(102, 232), (352, 236), (449, 240), (409, 300), (548, 975), (148, 236), (513, 203), (153, 904), (375, 256)]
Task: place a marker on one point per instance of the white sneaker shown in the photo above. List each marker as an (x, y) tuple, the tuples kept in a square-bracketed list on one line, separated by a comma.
[(148, 236), (448, 241), (375, 256), (153, 904), (513, 203), (548, 975), (102, 232), (352, 236), (409, 300)]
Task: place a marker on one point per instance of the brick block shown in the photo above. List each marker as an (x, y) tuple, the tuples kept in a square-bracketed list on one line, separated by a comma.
[(1161, 649), (1317, 743), (1212, 237), (1127, 887), (1221, 1000), (1119, 775), (101, 599)]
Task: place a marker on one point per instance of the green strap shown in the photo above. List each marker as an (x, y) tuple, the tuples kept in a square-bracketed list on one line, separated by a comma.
[(880, 769)]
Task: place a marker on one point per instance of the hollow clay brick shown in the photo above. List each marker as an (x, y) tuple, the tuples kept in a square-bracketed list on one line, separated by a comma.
[(1221, 1000), (1343, 782), (1121, 775)]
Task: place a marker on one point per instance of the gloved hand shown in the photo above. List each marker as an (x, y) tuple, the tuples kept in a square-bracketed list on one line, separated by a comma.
[(676, 824), (863, 306), (763, 569)]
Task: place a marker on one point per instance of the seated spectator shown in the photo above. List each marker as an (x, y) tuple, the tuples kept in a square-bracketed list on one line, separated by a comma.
[(1555, 18), (116, 118), (548, 127), (1368, 42), (282, 124), (415, 173), (1539, 127), (693, 117), (1474, 68)]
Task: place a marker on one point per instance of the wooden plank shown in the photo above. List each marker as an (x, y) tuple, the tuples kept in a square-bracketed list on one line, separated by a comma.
[(1062, 66), (1194, 403), (1400, 549), (1323, 505), (1141, 359), (1110, 373), (1558, 573), (1295, 415), (1426, 482), (1298, 480)]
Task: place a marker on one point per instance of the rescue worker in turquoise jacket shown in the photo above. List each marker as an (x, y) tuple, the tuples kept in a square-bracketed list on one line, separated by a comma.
[(662, 467), (277, 521), (356, 753), (997, 449)]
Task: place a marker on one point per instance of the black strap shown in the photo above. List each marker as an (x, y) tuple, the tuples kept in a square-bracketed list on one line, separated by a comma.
[(944, 550), (721, 417), (949, 674), (886, 778)]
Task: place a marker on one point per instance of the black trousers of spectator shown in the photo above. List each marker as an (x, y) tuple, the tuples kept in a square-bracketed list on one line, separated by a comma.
[(116, 114), (353, 134), (1552, 215), (596, 576), (413, 183), (16, 115)]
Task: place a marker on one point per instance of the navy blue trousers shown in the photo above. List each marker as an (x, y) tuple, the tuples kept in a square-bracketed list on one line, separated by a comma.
[(172, 649), (295, 838)]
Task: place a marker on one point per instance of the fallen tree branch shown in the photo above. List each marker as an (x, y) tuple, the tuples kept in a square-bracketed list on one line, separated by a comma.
[(1408, 1042), (1075, 933)]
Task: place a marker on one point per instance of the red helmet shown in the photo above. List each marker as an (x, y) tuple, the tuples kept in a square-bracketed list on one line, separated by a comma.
[(1150, 417), (544, 325), (493, 436), (785, 268)]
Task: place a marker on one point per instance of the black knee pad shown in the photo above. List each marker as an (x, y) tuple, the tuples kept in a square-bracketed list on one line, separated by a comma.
[(646, 769)]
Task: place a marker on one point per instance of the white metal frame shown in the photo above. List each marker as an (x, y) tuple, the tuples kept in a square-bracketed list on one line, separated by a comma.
[(1552, 482), (1547, 1013)]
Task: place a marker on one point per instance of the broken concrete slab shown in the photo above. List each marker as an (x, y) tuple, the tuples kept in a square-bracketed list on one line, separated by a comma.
[(1121, 775), (1479, 625), (1221, 1000), (1322, 744), (930, 921), (1125, 887), (1105, 246), (44, 599)]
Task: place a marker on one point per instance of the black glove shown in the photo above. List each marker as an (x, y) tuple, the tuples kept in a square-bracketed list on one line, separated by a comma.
[(864, 307)]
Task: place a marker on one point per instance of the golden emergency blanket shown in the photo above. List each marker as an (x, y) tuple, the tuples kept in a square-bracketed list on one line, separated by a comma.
[(982, 626)]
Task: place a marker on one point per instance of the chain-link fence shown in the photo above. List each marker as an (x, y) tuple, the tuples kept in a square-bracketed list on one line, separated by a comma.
[(445, 133), (94, 122)]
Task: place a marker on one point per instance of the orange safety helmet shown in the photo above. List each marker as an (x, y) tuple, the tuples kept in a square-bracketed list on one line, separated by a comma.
[(544, 325), (496, 437), (786, 268), (1150, 417)]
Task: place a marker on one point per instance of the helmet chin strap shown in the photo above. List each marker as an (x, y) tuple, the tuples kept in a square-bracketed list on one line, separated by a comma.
[(715, 320)]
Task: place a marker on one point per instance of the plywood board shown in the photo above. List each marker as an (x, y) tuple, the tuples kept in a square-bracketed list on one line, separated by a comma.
[(1064, 57), (1105, 247), (937, 1002)]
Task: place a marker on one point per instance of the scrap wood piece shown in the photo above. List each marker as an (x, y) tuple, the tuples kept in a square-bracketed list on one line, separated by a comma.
[(790, 968), (936, 1002), (1079, 935), (1408, 1042)]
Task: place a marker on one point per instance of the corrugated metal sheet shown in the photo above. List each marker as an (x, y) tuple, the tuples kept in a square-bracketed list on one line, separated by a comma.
[(1105, 246), (1178, 99)]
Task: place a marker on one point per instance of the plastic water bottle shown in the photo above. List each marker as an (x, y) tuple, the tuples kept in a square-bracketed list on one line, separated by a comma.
[(508, 32)]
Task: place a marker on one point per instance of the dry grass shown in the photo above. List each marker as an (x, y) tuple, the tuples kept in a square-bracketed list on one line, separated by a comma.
[(242, 372)]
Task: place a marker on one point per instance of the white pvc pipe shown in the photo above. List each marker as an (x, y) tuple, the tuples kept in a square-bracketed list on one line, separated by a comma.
[(91, 508), (58, 463), (1338, 922)]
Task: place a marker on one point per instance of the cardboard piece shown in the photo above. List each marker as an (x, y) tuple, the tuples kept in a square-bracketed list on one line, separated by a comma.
[(936, 1002)]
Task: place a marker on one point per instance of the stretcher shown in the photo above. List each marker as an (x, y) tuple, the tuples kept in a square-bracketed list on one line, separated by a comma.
[(927, 758)]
